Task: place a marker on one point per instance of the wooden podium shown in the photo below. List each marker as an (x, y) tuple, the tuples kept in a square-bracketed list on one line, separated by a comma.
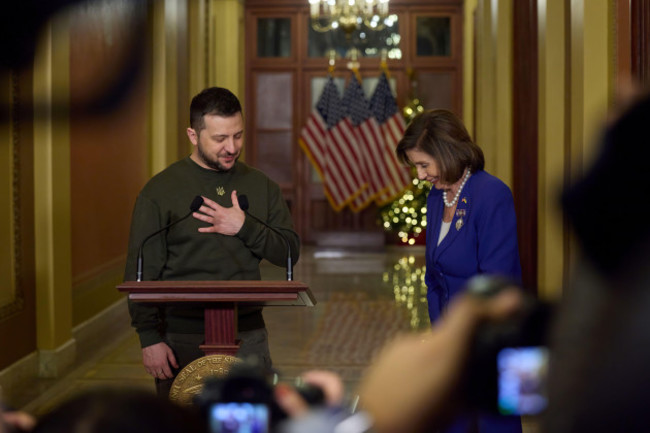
[(220, 300)]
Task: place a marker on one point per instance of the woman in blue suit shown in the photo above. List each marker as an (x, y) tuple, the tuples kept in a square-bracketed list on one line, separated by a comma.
[(471, 225)]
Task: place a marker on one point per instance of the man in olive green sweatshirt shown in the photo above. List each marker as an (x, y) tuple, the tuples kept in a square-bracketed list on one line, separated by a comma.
[(220, 242)]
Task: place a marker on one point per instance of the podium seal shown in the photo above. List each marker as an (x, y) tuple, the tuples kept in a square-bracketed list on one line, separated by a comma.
[(189, 381)]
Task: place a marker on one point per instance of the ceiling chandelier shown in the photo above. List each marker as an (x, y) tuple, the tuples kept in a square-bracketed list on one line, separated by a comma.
[(348, 15)]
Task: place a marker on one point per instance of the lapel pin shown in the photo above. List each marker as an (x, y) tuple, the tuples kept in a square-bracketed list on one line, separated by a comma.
[(460, 213)]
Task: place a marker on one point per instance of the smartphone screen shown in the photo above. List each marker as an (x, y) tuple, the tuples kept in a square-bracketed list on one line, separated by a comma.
[(239, 418), (522, 380)]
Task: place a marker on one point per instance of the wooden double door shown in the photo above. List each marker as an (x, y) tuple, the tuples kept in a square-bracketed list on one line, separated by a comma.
[(287, 65)]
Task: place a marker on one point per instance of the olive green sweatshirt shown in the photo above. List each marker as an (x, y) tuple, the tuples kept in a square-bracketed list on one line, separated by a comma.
[(183, 253)]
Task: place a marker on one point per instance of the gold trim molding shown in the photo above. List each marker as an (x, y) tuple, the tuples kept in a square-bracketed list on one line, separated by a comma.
[(15, 108)]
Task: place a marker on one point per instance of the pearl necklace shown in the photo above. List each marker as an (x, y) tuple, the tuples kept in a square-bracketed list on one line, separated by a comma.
[(460, 188)]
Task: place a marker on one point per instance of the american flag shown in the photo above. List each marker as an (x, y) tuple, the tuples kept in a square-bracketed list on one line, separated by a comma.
[(329, 142), (357, 109), (392, 126)]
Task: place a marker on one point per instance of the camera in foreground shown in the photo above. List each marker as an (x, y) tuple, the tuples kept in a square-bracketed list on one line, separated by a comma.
[(509, 361), (243, 401)]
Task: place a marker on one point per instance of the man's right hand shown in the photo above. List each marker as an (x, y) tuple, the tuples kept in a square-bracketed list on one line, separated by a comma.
[(157, 359)]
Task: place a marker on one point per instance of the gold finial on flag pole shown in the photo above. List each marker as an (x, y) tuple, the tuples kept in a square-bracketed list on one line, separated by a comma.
[(353, 64), (331, 61), (384, 63)]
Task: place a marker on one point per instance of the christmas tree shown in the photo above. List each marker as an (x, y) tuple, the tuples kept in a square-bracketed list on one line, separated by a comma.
[(407, 215)]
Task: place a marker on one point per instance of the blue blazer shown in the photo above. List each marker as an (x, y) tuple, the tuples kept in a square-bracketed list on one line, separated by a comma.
[(482, 239)]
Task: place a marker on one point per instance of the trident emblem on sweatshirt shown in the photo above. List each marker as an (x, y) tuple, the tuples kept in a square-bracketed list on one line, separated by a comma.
[(220, 190)]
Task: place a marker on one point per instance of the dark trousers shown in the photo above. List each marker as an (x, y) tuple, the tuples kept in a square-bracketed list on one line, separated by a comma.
[(254, 348)]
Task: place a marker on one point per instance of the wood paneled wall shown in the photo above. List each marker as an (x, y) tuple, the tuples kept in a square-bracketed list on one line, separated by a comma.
[(17, 308), (525, 135), (108, 151)]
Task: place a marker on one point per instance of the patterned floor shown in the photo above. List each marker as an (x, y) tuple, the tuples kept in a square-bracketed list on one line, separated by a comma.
[(360, 307), (364, 299)]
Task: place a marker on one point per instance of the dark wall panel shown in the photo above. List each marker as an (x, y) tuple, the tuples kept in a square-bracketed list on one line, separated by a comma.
[(525, 135)]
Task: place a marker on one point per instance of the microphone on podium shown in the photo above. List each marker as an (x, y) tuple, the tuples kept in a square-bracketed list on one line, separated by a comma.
[(243, 204), (194, 206)]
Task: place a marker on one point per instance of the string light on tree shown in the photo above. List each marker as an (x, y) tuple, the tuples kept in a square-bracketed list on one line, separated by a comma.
[(407, 215)]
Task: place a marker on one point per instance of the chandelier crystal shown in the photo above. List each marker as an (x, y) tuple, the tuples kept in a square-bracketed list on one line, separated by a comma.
[(348, 15)]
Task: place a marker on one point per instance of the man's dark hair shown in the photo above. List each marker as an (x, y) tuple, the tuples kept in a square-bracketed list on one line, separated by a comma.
[(112, 410), (213, 100)]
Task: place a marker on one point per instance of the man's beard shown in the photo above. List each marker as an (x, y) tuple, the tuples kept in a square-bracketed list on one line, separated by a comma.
[(215, 165)]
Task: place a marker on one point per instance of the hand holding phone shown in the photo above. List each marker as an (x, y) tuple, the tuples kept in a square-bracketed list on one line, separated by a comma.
[(522, 373), (509, 360)]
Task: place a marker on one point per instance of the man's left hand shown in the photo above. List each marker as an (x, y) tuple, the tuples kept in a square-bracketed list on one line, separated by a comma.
[(224, 220)]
